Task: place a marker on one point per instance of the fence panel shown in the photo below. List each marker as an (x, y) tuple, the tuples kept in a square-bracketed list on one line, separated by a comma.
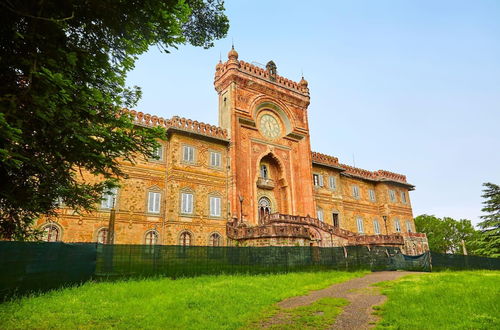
[(30, 267), (442, 261)]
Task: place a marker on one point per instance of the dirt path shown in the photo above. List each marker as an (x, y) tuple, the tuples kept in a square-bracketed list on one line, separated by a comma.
[(360, 294)]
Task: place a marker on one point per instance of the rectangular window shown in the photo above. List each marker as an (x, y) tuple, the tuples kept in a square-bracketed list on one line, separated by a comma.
[(408, 226), (108, 200), (355, 191), (321, 184), (333, 184), (403, 197), (319, 213), (335, 219), (397, 225), (376, 227), (361, 229), (316, 180), (158, 153), (215, 203), (392, 195), (154, 202), (188, 154), (215, 159), (372, 195), (186, 203)]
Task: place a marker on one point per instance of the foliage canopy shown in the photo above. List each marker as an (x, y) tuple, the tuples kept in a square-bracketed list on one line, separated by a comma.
[(63, 66)]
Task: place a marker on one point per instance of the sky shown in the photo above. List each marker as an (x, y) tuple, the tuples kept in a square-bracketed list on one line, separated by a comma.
[(411, 87)]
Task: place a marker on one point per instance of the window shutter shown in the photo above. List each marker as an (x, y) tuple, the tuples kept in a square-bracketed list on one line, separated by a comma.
[(332, 182), (191, 154), (183, 203), (157, 202), (150, 201), (185, 153), (320, 180), (212, 206)]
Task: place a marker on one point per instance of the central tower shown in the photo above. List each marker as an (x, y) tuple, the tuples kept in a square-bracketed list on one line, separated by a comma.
[(270, 152)]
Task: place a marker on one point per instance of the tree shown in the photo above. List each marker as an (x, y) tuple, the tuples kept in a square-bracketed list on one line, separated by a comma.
[(63, 65), (489, 237), (446, 235)]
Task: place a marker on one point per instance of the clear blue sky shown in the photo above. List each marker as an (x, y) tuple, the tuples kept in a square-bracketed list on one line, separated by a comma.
[(407, 86)]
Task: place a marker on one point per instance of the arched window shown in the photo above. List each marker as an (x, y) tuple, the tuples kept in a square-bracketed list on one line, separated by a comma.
[(214, 240), (185, 238), (102, 236), (151, 237), (263, 171), (51, 233), (264, 208)]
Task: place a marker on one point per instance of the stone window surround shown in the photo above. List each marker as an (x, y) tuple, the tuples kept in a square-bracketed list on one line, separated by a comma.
[(330, 177), (335, 211), (156, 189), (221, 238), (220, 167), (214, 194), (360, 225), (58, 227), (191, 237), (96, 233), (187, 190), (162, 154), (195, 154), (320, 180), (355, 191), (117, 200), (153, 230), (376, 227)]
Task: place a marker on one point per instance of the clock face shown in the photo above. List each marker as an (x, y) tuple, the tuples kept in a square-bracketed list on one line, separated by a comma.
[(269, 126)]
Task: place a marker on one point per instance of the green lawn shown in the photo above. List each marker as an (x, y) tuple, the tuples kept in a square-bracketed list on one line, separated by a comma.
[(207, 302), (447, 300)]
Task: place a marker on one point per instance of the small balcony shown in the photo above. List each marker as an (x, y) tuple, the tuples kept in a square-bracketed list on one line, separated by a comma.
[(265, 183)]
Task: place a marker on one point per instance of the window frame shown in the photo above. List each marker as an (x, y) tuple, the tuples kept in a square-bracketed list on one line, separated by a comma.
[(371, 194), (109, 199), (392, 195), (182, 208), (338, 219), (148, 209), (187, 147), (158, 152), (360, 225), (332, 179), (376, 227), (402, 195), (214, 197), (319, 211), (356, 193), (218, 156), (397, 225), (409, 226)]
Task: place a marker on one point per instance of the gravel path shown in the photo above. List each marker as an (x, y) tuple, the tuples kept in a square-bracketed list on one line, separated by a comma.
[(360, 294)]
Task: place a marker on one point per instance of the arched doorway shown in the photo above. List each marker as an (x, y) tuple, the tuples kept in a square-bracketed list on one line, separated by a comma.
[(264, 208)]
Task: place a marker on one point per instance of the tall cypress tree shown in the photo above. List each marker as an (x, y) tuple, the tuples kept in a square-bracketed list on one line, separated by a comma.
[(489, 238)]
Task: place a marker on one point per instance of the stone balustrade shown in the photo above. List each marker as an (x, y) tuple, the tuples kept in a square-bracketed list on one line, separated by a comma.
[(395, 239)]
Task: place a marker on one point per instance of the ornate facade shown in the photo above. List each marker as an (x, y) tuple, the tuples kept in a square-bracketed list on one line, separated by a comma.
[(252, 181)]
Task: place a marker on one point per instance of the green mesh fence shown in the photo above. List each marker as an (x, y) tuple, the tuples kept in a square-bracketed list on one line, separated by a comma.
[(442, 261), (29, 267)]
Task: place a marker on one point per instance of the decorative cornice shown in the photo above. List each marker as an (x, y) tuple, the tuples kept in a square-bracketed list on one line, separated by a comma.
[(178, 123), (378, 176)]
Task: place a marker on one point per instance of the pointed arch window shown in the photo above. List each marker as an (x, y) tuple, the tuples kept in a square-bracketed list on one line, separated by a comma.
[(51, 233), (215, 239), (264, 208), (185, 238)]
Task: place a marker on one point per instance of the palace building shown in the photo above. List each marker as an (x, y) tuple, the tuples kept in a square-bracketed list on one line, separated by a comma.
[(252, 181)]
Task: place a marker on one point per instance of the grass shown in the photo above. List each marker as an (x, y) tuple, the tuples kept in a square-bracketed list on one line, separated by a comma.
[(206, 302), (446, 300), (321, 314)]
